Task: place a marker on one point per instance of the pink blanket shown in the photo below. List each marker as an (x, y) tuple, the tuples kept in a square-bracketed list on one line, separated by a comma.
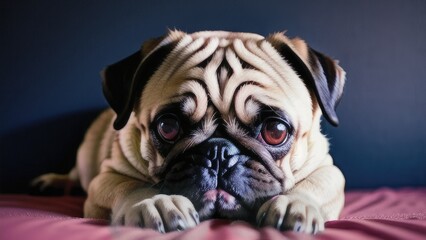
[(379, 214)]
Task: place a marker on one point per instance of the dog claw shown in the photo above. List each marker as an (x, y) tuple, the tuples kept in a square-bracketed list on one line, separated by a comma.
[(181, 226), (297, 226), (159, 226), (261, 220), (196, 217), (314, 227), (280, 220)]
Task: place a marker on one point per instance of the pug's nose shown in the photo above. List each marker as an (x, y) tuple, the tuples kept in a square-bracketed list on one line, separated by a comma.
[(221, 154)]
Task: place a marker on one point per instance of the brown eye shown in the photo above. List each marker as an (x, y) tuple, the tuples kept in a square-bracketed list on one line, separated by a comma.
[(274, 131), (168, 127)]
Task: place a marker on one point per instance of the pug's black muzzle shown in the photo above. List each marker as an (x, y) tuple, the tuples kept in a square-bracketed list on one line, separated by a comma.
[(221, 180)]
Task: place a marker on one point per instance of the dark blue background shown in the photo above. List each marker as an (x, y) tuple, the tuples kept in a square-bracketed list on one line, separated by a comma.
[(52, 51)]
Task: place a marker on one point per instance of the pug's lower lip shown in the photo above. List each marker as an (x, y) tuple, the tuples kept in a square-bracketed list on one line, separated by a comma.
[(216, 194)]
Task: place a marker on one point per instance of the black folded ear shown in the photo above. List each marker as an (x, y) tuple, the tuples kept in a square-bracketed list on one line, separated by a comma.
[(123, 82), (326, 79), (329, 82)]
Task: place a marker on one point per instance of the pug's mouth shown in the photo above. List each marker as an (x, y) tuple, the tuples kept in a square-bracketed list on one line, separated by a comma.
[(218, 203)]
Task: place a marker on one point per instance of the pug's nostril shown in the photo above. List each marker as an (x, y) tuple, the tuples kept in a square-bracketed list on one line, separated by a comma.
[(212, 152), (225, 153)]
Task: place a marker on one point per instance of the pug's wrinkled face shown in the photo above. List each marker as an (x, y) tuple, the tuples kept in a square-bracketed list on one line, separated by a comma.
[(219, 118)]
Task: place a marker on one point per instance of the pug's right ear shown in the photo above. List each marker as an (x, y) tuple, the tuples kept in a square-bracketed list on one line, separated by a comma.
[(116, 85), (124, 81)]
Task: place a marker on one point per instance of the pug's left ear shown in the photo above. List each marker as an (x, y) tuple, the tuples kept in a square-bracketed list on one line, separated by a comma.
[(329, 80), (321, 74)]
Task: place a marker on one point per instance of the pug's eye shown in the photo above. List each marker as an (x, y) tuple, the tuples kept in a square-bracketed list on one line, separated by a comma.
[(274, 131), (168, 127)]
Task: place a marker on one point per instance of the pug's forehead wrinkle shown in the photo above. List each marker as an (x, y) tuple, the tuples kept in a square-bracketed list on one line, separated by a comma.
[(194, 105), (251, 53), (188, 107), (198, 56), (233, 61), (245, 107), (211, 79), (252, 108)]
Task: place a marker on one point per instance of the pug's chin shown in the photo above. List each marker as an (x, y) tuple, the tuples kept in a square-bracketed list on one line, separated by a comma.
[(218, 203)]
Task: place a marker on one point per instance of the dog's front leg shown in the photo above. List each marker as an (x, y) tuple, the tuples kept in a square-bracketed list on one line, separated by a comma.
[(127, 201), (305, 208)]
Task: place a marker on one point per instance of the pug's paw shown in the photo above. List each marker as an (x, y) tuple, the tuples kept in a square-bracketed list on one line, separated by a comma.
[(52, 180), (162, 213), (291, 212)]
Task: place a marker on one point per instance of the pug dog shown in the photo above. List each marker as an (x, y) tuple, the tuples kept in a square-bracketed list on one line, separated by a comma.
[(214, 124)]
